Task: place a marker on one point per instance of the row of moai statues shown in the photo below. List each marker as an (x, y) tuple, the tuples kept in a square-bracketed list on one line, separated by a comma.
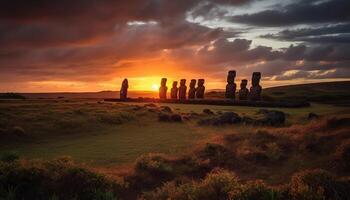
[(181, 91), (253, 94)]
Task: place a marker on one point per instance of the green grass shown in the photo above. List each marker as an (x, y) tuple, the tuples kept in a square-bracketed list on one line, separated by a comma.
[(113, 133)]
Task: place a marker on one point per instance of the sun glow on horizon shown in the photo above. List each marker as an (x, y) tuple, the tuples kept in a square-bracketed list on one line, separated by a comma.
[(155, 87)]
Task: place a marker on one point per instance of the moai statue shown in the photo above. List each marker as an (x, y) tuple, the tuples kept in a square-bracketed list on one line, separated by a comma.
[(231, 85), (124, 89), (200, 89), (243, 92), (255, 90), (182, 89), (163, 89), (192, 90), (174, 90)]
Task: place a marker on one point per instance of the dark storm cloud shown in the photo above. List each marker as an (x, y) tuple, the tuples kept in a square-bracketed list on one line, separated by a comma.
[(300, 12), (339, 33)]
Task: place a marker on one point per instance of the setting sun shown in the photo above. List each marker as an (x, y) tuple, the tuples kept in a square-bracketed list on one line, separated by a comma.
[(155, 87)]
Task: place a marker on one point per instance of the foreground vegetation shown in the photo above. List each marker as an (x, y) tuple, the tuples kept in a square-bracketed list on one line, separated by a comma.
[(306, 161)]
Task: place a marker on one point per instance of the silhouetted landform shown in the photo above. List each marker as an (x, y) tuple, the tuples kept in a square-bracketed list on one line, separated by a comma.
[(220, 102), (11, 96)]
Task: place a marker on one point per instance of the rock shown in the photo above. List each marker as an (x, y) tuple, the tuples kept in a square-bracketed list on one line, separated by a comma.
[(208, 111), (182, 89), (163, 89), (176, 118), (255, 89), (200, 89), (192, 90), (272, 117), (243, 92), (231, 86), (227, 118), (174, 91), (124, 89), (312, 116), (166, 109)]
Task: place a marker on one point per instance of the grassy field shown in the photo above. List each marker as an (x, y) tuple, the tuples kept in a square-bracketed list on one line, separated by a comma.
[(103, 134), (171, 151)]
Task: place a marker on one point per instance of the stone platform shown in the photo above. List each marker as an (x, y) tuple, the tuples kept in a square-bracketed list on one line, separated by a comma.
[(219, 102)]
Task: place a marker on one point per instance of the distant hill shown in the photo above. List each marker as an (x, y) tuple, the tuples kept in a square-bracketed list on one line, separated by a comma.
[(328, 92)]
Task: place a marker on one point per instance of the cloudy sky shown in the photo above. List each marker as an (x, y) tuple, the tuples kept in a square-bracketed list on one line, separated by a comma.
[(91, 45)]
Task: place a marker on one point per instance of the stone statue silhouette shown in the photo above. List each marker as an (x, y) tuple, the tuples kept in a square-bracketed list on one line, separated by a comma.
[(174, 91), (243, 92), (192, 90), (200, 89), (124, 89), (182, 89), (255, 89), (163, 89), (231, 85)]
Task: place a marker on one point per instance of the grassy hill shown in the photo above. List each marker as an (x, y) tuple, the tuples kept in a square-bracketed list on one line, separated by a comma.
[(329, 92)]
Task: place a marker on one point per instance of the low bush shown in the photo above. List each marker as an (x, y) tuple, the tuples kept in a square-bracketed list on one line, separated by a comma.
[(9, 156), (343, 155), (317, 184), (44, 180), (218, 155)]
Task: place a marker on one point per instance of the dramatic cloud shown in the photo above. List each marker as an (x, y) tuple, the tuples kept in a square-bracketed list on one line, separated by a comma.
[(97, 42), (300, 12)]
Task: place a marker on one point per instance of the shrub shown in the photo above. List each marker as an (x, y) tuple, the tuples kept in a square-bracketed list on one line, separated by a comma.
[(171, 191), (343, 155), (153, 164), (218, 155), (43, 180), (9, 156), (273, 151), (256, 190), (315, 184), (218, 185)]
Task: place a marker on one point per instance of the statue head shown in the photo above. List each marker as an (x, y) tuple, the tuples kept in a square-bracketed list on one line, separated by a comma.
[(256, 78), (200, 82), (163, 82), (174, 84), (183, 82), (244, 83), (193, 83), (231, 76), (125, 83)]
